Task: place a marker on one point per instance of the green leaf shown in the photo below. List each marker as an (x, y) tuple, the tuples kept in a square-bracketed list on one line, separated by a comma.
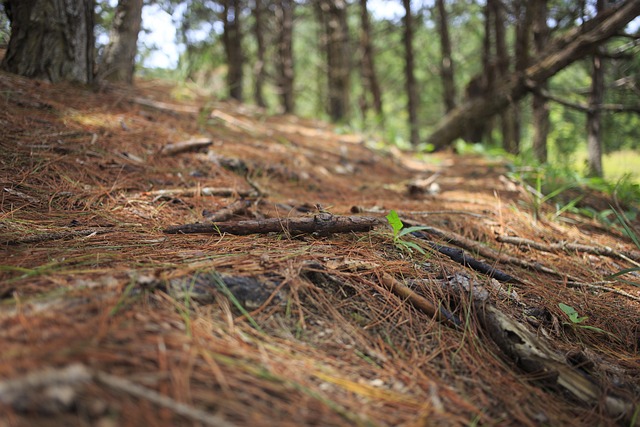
[(622, 272), (394, 221), (571, 313), (408, 230), (410, 246)]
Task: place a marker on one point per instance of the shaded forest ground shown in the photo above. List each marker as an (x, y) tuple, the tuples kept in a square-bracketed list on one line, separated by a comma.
[(107, 320)]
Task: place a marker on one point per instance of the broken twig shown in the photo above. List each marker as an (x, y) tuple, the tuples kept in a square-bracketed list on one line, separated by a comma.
[(322, 224)]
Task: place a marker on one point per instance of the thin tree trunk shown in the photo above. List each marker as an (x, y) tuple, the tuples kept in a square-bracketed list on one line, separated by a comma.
[(232, 37), (540, 106), (594, 131), (338, 68), (509, 141), (259, 68), (118, 61), (410, 80), (446, 65), (284, 21), (482, 84), (51, 39), (562, 51), (522, 59), (369, 75)]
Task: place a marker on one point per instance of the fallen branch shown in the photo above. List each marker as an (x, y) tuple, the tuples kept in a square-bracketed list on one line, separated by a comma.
[(322, 224), (185, 146), (166, 107), (202, 191), (58, 235), (564, 246), (533, 355), (476, 247)]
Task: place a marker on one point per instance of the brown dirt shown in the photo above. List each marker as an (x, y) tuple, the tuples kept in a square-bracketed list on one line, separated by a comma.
[(81, 234)]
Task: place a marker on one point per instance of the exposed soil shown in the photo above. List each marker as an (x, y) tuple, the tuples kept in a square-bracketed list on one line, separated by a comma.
[(107, 320)]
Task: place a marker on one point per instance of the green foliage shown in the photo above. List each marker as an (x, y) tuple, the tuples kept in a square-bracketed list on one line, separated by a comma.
[(399, 231), (631, 233), (575, 320)]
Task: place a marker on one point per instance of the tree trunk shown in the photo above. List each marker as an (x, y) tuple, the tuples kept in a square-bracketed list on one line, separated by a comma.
[(284, 21), (369, 75), (259, 69), (334, 13), (507, 119), (594, 134), (562, 51), (446, 66), (540, 106), (118, 61), (522, 59), (410, 80), (232, 37), (482, 84), (51, 39)]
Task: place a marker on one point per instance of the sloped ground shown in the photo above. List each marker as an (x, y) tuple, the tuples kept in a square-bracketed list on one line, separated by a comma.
[(107, 320)]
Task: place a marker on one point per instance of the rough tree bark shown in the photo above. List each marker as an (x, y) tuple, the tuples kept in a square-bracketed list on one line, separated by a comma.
[(369, 75), (482, 84), (118, 61), (508, 116), (284, 21), (523, 24), (540, 105), (560, 52), (51, 39), (336, 37), (596, 98), (259, 68), (409, 71), (446, 65), (232, 38)]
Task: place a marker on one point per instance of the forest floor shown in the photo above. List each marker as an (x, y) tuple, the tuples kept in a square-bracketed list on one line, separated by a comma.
[(106, 319)]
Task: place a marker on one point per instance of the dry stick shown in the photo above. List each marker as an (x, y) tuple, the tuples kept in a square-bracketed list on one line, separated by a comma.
[(418, 301), (126, 386), (185, 146), (398, 288), (484, 251), (603, 289), (203, 191), (563, 246), (166, 107), (534, 355), (59, 235), (323, 224)]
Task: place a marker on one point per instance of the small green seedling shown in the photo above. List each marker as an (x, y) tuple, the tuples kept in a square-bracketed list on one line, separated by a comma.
[(576, 319), (399, 231)]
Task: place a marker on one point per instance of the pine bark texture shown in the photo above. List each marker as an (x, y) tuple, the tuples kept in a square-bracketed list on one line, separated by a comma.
[(508, 116), (51, 40), (446, 65), (564, 50), (540, 106), (284, 22), (594, 119), (259, 66), (369, 75), (232, 38), (118, 61), (409, 71), (336, 40)]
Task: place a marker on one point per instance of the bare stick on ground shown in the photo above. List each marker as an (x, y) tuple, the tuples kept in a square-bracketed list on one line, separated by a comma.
[(323, 224)]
